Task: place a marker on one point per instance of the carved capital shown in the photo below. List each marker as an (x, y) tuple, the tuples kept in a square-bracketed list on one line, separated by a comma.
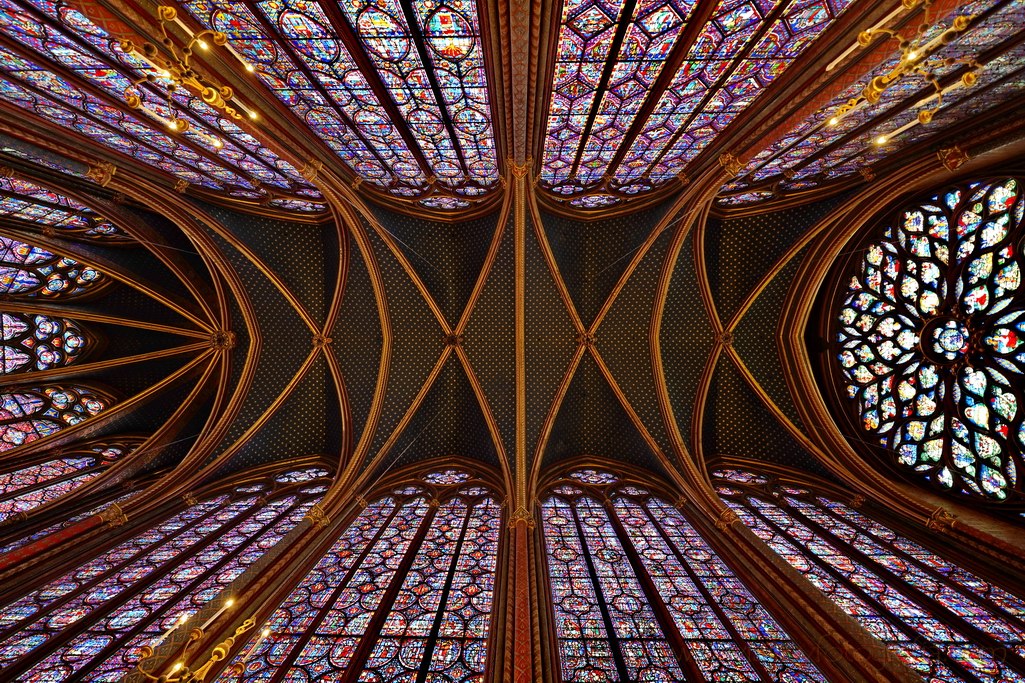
[(48, 231), (190, 499), (953, 158), (356, 183), (518, 170), (102, 173), (317, 516), (6, 172), (941, 520), (867, 173), (181, 186), (362, 502), (311, 169), (321, 340), (114, 516), (730, 163), (522, 516), (856, 501), (222, 340), (683, 178), (726, 519), (788, 173), (680, 503)]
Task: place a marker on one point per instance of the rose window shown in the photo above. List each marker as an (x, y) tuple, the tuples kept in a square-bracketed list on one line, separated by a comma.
[(930, 339)]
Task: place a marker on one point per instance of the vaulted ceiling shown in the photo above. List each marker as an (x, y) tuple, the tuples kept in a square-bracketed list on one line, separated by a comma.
[(491, 230)]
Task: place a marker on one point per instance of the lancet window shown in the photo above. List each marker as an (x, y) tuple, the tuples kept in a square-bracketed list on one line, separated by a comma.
[(30, 413), (638, 594), (942, 620), (404, 593), (28, 487), (40, 342), (111, 605), (29, 271)]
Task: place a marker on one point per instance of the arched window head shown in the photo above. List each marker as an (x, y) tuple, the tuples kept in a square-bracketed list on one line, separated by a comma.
[(29, 487), (638, 594), (27, 414), (22, 200), (404, 593), (940, 619), (90, 623), (930, 338), (40, 342), (27, 271)]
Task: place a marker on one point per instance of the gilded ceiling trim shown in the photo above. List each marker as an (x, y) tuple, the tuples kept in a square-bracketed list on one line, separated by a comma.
[(638, 423), (668, 220), (489, 418), (65, 372), (489, 262), (229, 396), (341, 273), (549, 421), (345, 202), (360, 480), (48, 308), (400, 256), (691, 476), (553, 266), (520, 190)]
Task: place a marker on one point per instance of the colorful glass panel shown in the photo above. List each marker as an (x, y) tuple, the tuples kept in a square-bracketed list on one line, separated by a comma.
[(127, 596), (406, 590), (928, 338), (27, 271), (574, 152), (941, 620), (816, 150), (32, 413), (39, 342), (31, 486), (213, 150), (606, 628), (26, 201)]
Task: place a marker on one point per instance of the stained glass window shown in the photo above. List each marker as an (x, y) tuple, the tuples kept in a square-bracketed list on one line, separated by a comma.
[(817, 150), (28, 487), (943, 621), (39, 342), (638, 594), (21, 200), (596, 143), (434, 81), (124, 598), (405, 591), (28, 271), (27, 414), (928, 338), (212, 151)]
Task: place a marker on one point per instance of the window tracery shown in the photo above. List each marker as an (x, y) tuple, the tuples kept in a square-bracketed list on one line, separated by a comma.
[(26, 201), (31, 413), (113, 604), (28, 487), (929, 341), (638, 594), (942, 620), (40, 342), (405, 591), (60, 40), (28, 271)]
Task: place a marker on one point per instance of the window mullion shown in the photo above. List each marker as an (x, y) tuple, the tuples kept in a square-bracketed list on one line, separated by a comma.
[(912, 635), (617, 654), (373, 630), (662, 613), (432, 637), (300, 644), (741, 641)]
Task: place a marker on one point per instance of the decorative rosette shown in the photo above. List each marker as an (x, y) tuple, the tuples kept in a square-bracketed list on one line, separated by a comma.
[(930, 339)]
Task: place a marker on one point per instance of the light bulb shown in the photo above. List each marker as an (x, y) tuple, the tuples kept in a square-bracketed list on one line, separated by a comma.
[(881, 140), (253, 115), (250, 67), (833, 121), (203, 45)]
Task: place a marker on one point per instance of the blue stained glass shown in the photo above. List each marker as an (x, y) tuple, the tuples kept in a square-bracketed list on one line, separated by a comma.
[(39, 342), (31, 486), (98, 60), (859, 563), (28, 271), (33, 413)]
